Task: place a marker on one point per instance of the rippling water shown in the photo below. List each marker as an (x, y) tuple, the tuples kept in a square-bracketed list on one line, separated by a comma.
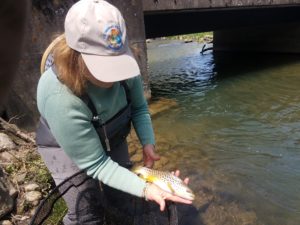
[(236, 128)]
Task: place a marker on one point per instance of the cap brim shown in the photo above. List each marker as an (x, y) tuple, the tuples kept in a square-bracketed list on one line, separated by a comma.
[(112, 68)]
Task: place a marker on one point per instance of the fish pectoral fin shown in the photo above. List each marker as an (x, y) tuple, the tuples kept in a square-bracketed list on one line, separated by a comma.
[(151, 179), (171, 188)]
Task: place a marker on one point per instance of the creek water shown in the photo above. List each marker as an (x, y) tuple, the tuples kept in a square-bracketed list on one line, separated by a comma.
[(235, 130)]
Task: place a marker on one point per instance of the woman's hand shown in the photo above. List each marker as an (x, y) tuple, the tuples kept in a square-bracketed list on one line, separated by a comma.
[(154, 193), (149, 155)]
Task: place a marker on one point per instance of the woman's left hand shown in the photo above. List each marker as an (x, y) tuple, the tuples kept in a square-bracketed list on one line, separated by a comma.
[(149, 155)]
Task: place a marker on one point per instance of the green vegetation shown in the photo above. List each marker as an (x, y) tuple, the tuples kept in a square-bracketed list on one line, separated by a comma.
[(197, 37), (59, 211)]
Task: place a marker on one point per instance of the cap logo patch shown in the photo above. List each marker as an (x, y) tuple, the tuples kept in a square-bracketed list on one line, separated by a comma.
[(113, 37)]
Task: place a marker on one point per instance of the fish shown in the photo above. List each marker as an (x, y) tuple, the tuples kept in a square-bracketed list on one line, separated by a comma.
[(166, 181)]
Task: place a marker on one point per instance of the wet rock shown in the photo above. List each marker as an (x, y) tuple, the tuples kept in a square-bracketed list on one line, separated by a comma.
[(6, 142), (6, 200), (161, 163), (162, 105), (228, 214), (33, 196), (31, 187), (162, 146)]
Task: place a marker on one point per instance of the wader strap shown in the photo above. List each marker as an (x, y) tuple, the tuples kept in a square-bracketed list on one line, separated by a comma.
[(125, 86), (87, 100)]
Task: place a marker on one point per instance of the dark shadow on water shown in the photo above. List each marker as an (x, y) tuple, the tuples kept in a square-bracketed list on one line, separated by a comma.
[(229, 64)]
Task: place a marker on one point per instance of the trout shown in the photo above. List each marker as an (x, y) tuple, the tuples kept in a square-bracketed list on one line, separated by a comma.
[(166, 181)]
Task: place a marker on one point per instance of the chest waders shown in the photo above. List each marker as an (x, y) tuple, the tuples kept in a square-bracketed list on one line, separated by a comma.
[(113, 133), (87, 202)]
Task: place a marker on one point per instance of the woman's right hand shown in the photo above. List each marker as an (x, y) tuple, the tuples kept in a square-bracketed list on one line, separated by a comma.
[(154, 193)]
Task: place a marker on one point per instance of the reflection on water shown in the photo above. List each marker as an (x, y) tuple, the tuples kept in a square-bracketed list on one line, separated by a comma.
[(236, 129)]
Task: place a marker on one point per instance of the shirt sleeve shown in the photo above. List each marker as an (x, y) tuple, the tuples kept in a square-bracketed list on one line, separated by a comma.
[(69, 120), (140, 114)]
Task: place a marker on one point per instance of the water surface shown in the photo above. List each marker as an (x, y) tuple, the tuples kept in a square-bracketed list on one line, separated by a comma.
[(236, 128)]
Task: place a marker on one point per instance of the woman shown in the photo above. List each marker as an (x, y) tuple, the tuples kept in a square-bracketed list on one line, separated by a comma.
[(88, 99)]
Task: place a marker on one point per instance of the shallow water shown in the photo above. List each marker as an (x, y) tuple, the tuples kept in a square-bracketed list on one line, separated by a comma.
[(236, 129)]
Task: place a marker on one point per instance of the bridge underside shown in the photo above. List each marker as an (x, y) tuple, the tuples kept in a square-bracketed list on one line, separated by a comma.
[(168, 23)]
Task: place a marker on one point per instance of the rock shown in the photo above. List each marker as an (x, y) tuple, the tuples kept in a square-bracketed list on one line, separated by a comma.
[(31, 187), (20, 178), (137, 158), (7, 157), (162, 105), (13, 192), (6, 201), (6, 142), (5, 222), (161, 163), (228, 213), (33, 196)]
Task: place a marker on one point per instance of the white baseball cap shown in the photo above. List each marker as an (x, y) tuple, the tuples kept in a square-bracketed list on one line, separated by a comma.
[(97, 30)]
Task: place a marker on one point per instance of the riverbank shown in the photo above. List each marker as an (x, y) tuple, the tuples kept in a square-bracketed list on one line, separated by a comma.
[(31, 183), (205, 37)]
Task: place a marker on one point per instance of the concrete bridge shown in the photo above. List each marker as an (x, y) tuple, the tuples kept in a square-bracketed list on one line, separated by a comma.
[(173, 17), (238, 25)]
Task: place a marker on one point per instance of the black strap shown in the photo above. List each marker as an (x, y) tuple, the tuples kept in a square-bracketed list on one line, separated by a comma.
[(87, 100), (127, 92)]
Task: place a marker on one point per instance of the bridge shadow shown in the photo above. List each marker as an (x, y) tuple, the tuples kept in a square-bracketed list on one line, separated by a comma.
[(229, 64)]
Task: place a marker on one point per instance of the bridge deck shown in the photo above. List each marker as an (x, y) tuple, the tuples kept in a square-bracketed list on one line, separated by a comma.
[(165, 5)]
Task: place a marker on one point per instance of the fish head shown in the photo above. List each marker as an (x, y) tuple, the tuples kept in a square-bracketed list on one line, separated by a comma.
[(187, 193), (145, 173), (140, 171)]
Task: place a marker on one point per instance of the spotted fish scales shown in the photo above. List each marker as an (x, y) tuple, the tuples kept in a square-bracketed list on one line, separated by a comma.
[(166, 181)]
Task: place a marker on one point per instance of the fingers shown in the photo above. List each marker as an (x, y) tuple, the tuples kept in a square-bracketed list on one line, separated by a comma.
[(186, 180), (148, 163), (177, 174), (149, 155), (156, 194), (153, 155), (162, 204), (175, 198)]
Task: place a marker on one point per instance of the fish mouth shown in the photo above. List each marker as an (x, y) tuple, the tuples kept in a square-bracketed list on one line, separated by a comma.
[(189, 195)]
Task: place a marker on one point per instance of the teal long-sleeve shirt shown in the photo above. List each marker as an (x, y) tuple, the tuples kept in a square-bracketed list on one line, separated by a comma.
[(69, 119)]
